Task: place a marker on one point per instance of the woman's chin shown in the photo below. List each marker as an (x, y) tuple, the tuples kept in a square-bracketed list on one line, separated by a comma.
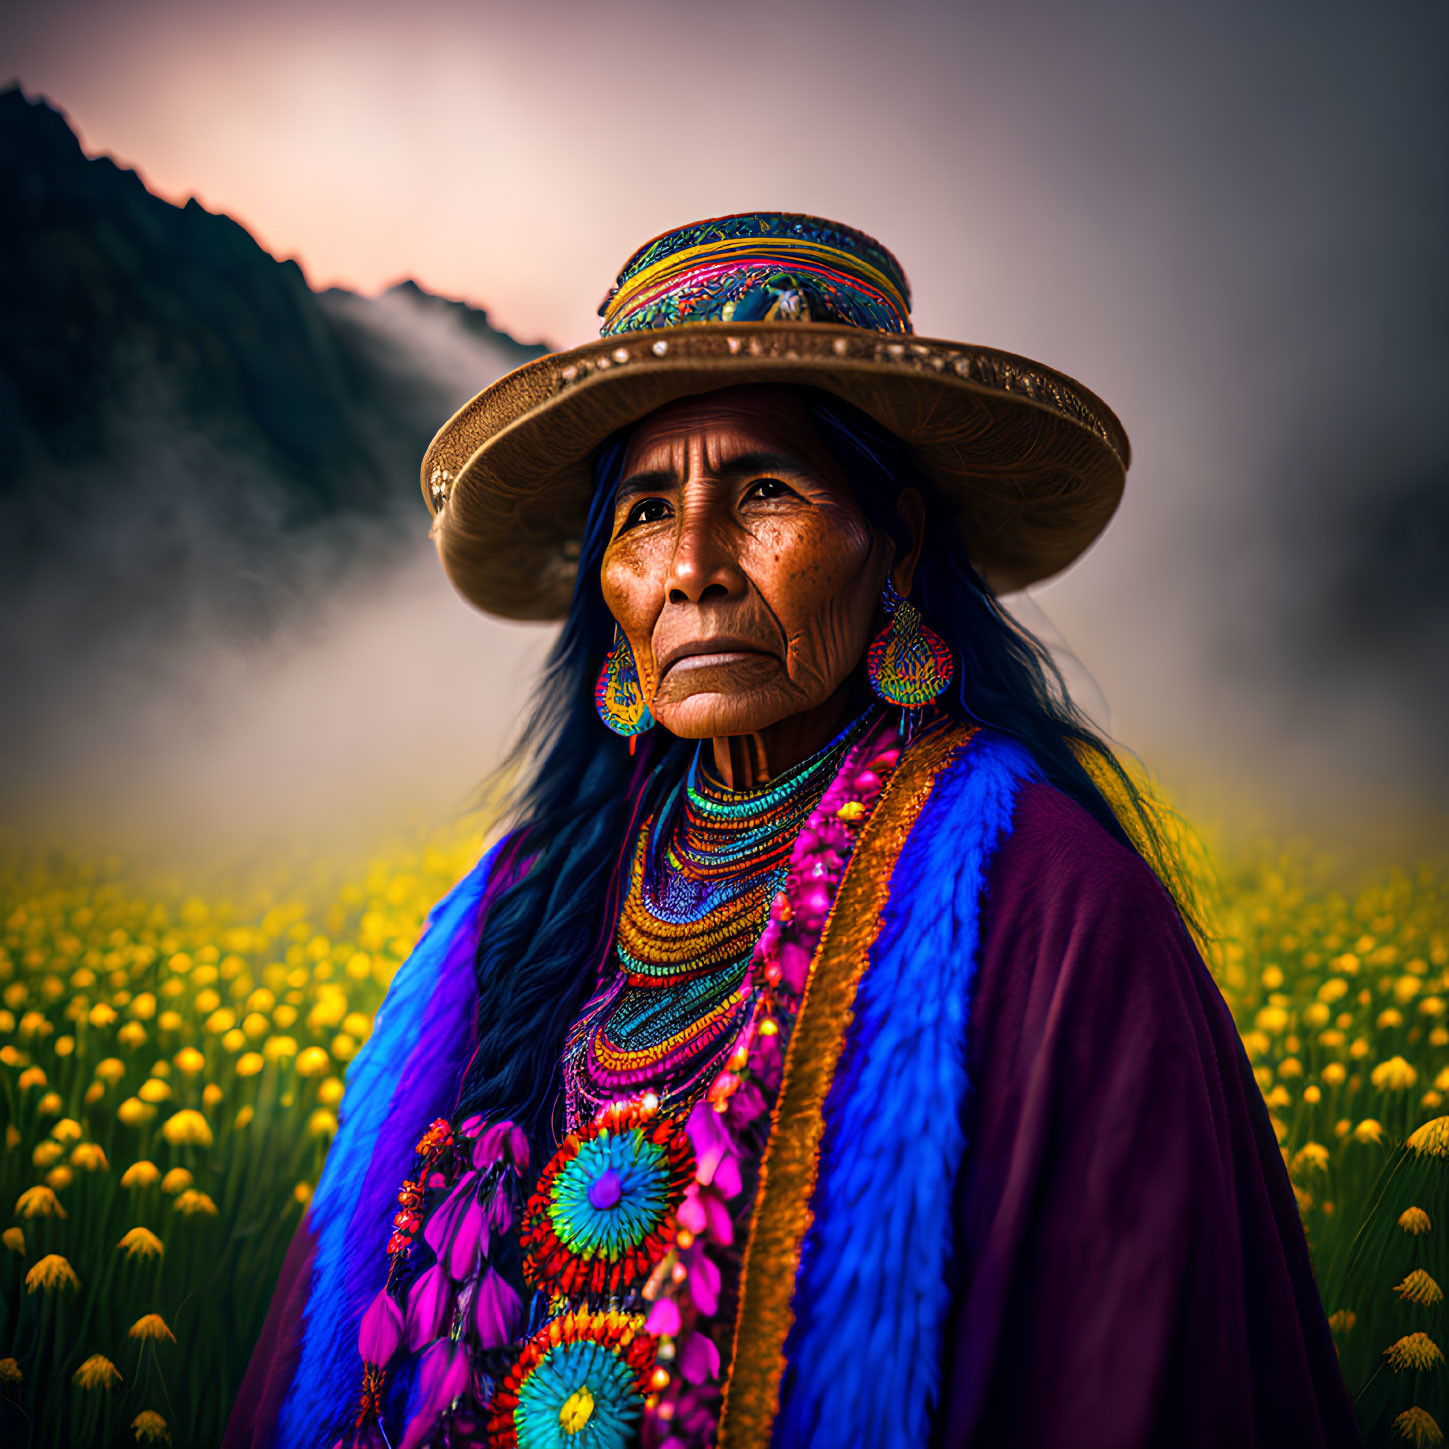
[(710, 715)]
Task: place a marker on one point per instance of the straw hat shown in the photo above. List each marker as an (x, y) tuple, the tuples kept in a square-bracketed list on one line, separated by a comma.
[(1030, 463)]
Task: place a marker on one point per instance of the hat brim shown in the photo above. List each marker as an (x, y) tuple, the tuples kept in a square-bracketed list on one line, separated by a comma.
[(1031, 464)]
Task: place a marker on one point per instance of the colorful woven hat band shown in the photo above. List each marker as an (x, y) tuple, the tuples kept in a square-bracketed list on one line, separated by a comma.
[(760, 267)]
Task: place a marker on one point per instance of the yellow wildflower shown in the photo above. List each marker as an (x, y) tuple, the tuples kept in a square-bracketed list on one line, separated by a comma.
[(207, 1001), (47, 1154), (343, 1047), (94, 1093), (1312, 1094), (1419, 1287), (249, 1064), (330, 1091), (133, 1112), (1431, 1099), (303, 1193), (111, 1069), (38, 1202), (150, 1426), (322, 1123), (1333, 989), (67, 1130), (1394, 1075), (30, 1077), (211, 1094), (141, 1243), (1414, 1351), (150, 1326), (188, 1128), (144, 1006), (1332, 1039), (102, 1014), (97, 1372), (14, 1239), (1335, 1073), (261, 1000), (10, 1372), (255, 1025), (357, 1024), (244, 1117), (1419, 1427), (189, 1060), (176, 1181), (140, 1174), (1290, 1067), (132, 1034), (277, 1047), (59, 1177), (169, 1021), (1312, 1156), (1342, 1321), (191, 1202), (221, 1020), (50, 1104), (1369, 1131), (1432, 1138), (1414, 1220), (312, 1062), (89, 1156), (1359, 1049), (234, 1040), (52, 1271), (153, 1090)]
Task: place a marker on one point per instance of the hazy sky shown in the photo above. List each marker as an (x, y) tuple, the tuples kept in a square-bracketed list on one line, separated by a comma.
[(1228, 220)]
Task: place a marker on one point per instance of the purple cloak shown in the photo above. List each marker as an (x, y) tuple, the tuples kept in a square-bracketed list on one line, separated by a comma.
[(1130, 1266)]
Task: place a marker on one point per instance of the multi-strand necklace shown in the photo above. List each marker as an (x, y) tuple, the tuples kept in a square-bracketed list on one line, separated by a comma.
[(702, 875)]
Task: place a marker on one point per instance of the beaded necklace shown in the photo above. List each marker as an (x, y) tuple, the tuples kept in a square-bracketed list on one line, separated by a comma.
[(702, 875)]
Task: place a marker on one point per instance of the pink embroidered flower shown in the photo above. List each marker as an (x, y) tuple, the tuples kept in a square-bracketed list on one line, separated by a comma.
[(381, 1330)]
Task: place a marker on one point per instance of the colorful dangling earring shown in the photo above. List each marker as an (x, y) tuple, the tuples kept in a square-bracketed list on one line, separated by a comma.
[(908, 663), (619, 695)]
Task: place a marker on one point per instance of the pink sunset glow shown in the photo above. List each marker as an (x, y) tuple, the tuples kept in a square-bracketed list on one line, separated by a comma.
[(1205, 217)]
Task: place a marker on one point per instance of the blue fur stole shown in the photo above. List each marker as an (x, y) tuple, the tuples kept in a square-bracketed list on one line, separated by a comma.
[(872, 1293), (405, 1076)]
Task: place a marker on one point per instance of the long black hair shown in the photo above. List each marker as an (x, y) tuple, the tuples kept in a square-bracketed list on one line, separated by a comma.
[(580, 788)]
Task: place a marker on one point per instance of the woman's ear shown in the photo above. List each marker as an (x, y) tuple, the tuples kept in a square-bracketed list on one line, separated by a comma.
[(912, 509)]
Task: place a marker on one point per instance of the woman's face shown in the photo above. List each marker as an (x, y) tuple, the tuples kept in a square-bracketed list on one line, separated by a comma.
[(739, 566)]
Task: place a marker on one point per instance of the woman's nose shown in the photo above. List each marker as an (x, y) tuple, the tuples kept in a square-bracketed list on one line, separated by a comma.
[(704, 567)]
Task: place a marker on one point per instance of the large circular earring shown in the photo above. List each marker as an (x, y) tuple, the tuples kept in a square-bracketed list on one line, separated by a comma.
[(619, 693), (908, 663)]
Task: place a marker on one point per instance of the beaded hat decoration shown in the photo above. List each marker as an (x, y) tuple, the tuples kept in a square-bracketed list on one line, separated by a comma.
[(759, 268), (1029, 464)]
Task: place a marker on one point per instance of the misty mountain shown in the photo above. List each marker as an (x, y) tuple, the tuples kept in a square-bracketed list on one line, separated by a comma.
[(189, 435)]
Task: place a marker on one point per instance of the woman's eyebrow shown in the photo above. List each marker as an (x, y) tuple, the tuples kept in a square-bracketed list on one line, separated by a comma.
[(738, 466)]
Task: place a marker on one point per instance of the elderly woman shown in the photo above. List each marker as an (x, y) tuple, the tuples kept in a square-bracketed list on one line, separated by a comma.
[(818, 1061)]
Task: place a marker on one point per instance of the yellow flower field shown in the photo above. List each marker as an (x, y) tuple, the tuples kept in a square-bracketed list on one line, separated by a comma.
[(171, 1069)]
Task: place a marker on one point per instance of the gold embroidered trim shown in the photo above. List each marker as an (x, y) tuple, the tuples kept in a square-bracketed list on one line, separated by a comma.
[(792, 1157)]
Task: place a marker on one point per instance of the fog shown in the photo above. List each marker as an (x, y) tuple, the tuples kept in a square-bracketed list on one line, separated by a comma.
[(1229, 223)]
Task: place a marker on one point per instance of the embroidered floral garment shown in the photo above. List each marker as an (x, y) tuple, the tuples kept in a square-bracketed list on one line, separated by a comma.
[(630, 1239), (1000, 1270)]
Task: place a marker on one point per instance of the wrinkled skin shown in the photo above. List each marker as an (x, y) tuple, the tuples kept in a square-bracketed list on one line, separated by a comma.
[(746, 577)]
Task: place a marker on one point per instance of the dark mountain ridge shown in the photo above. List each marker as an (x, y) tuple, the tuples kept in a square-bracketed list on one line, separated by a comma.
[(178, 407)]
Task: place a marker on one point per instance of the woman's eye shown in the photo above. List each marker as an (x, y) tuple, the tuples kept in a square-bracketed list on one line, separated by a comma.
[(647, 510), (768, 488)]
